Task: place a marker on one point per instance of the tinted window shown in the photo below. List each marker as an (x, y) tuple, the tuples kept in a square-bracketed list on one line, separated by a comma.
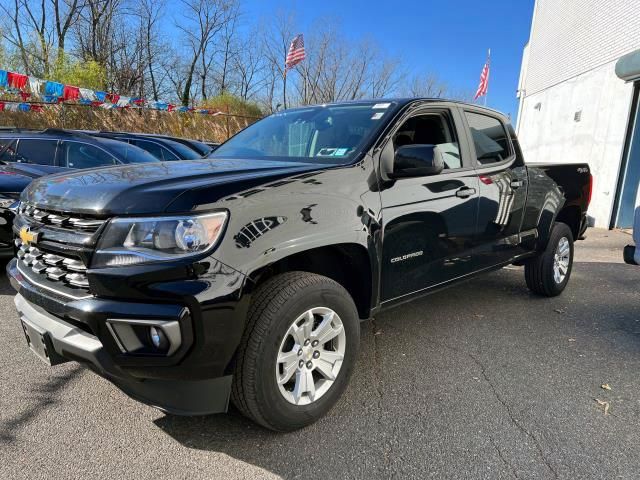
[(431, 129), (202, 149), (151, 147), (42, 152), (7, 150), (127, 153), (83, 155), (489, 138), (184, 152)]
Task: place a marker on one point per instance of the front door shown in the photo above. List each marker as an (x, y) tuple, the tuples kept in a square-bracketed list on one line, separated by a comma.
[(429, 222)]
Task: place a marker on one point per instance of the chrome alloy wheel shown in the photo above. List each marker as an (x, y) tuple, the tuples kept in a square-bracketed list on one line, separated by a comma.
[(561, 260), (310, 356)]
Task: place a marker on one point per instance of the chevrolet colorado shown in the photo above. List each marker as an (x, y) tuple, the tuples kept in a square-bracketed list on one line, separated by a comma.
[(245, 276)]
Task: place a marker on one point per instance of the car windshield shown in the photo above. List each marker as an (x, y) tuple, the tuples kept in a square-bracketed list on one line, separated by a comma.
[(327, 134), (127, 153)]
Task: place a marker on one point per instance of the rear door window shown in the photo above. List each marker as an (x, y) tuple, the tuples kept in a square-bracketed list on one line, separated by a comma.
[(83, 155), (489, 138), (155, 149), (8, 150), (38, 151)]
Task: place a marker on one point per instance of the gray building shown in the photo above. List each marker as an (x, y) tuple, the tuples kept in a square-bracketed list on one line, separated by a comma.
[(575, 106)]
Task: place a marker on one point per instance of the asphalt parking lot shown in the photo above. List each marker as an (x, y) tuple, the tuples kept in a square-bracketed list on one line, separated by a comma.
[(479, 381)]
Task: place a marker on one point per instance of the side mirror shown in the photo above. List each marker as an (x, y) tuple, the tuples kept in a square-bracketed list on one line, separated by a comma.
[(417, 161)]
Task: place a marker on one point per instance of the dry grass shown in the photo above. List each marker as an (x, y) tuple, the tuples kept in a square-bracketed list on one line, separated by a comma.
[(188, 125)]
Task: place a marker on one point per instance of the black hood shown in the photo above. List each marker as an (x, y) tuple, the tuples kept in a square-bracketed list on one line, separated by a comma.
[(148, 188)]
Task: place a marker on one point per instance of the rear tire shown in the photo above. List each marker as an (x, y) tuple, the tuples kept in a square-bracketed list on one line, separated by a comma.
[(548, 273), (287, 375)]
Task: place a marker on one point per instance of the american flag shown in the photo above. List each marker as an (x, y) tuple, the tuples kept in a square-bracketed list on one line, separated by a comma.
[(296, 53), (483, 87)]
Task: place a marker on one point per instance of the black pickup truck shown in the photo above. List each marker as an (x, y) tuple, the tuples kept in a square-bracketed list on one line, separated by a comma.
[(245, 276)]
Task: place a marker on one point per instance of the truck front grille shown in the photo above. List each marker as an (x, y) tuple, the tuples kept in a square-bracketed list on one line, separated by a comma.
[(61, 220), (59, 258), (68, 270)]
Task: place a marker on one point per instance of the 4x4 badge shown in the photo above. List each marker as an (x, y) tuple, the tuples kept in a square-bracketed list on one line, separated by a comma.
[(27, 236)]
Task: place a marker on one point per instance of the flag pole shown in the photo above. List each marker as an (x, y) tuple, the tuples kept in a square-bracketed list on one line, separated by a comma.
[(284, 89), (488, 73)]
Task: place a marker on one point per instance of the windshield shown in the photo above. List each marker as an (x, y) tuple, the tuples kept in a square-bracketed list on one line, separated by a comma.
[(331, 134), (127, 153)]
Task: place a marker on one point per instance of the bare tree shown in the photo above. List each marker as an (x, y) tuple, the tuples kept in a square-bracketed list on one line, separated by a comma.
[(66, 14), (336, 69), (203, 20), (249, 66), (12, 33), (95, 29), (228, 49), (429, 86), (385, 77), (38, 30), (276, 39), (149, 12)]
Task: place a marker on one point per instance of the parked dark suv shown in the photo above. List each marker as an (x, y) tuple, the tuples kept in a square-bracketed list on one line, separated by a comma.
[(163, 148), (29, 154), (67, 149)]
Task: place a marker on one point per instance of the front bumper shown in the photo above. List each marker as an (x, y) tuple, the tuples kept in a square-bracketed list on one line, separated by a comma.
[(194, 380)]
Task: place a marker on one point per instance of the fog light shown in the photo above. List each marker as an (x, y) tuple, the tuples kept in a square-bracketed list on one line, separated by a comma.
[(158, 338), (145, 337)]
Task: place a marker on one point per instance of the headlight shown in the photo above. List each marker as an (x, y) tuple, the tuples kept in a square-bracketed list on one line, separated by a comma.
[(131, 241)]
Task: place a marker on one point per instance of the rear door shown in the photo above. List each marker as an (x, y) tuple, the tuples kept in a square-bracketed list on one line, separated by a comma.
[(83, 155), (503, 181), (429, 222), (155, 149), (36, 151)]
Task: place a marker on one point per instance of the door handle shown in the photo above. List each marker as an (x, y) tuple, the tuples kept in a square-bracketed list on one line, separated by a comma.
[(465, 192), (516, 183)]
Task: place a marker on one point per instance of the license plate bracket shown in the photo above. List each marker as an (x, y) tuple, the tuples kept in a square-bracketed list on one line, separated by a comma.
[(40, 343)]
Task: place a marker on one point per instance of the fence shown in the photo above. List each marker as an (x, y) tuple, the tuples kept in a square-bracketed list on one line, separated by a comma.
[(83, 117)]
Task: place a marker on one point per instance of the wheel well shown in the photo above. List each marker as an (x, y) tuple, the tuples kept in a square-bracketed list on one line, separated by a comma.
[(570, 215), (348, 264)]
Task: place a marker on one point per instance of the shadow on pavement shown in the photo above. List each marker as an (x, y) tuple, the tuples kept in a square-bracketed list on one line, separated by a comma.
[(492, 333), (44, 396)]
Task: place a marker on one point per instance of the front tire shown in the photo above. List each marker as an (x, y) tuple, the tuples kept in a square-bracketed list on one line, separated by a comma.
[(548, 273), (298, 351)]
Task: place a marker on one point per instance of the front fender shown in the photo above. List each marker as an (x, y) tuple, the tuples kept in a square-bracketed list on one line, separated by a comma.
[(320, 209)]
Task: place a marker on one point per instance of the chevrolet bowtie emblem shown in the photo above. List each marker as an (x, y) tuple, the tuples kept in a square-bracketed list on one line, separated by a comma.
[(27, 236)]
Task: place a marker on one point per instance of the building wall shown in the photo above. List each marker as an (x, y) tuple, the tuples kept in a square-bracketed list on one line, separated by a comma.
[(568, 67), (549, 132), (570, 37)]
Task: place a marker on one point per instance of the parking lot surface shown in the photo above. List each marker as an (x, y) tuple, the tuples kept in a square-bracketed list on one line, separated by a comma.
[(483, 380)]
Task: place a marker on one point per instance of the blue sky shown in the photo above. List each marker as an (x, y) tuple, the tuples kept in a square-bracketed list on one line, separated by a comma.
[(449, 39)]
